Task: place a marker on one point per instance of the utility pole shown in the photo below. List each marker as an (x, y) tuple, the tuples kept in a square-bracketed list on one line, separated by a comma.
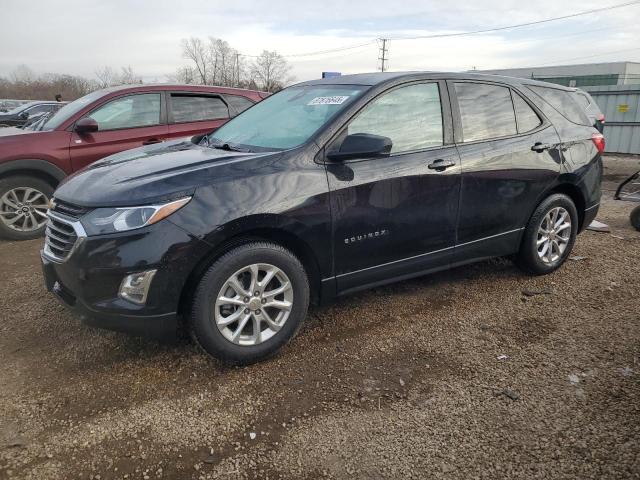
[(383, 54), (237, 70)]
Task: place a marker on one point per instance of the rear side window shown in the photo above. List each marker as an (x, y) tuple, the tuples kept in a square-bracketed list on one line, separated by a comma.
[(582, 100), (486, 111), (196, 108), (240, 104), (410, 116), (525, 115), (564, 103)]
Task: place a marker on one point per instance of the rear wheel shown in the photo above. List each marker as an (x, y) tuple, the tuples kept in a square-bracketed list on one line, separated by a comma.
[(635, 218), (549, 235), (250, 303), (24, 202)]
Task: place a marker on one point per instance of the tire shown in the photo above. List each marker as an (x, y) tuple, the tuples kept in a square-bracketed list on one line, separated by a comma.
[(13, 191), (207, 308), (634, 218), (529, 257)]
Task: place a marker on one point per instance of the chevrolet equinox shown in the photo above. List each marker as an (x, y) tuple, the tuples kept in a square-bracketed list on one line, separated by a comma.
[(322, 189)]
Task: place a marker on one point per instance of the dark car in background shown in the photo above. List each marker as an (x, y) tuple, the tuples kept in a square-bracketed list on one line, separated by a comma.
[(34, 161), (20, 115), (322, 189)]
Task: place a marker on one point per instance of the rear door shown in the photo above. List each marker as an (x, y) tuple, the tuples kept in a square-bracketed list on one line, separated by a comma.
[(396, 216), (124, 122), (510, 154), (195, 113)]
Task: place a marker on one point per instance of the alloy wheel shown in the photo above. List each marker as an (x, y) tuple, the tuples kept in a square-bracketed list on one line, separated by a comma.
[(253, 304), (554, 234), (24, 209)]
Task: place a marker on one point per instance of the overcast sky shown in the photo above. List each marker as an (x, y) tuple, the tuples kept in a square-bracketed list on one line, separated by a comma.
[(77, 37)]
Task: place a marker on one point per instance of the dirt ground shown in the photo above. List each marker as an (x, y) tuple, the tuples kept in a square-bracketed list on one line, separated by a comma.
[(463, 374)]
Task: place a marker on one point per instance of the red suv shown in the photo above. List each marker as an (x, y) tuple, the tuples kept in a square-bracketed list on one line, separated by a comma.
[(99, 124)]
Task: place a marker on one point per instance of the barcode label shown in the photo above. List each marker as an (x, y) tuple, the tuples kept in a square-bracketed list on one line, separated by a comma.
[(335, 100)]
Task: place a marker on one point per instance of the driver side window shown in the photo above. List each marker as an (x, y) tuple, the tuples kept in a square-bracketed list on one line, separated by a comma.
[(410, 116), (132, 111)]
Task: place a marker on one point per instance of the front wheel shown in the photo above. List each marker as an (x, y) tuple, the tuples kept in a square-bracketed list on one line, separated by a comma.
[(250, 303), (549, 236), (24, 201)]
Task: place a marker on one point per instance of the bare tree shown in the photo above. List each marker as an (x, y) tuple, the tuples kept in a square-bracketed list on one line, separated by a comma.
[(270, 71), (105, 77), (193, 49), (213, 62), (128, 77), (186, 75), (224, 64), (22, 74), (108, 77), (25, 84)]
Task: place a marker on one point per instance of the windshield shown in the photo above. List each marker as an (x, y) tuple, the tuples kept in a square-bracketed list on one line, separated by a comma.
[(71, 109), (287, 119)]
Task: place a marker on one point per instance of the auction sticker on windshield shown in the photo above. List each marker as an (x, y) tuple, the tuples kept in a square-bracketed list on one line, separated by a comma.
[(335, 100)]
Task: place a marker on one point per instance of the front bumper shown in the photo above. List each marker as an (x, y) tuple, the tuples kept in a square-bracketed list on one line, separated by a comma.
[(88, 281)]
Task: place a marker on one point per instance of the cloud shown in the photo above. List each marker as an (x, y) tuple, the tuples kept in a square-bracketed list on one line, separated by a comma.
[(78, 36)]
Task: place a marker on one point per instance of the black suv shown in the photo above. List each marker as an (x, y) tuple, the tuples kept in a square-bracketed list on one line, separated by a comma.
[(324, 188)]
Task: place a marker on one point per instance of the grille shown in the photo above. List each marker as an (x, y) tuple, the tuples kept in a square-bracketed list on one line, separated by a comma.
[(69, 209), (61, 236)]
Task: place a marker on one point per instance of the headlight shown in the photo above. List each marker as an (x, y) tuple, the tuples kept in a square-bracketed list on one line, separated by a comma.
[(110, 220)]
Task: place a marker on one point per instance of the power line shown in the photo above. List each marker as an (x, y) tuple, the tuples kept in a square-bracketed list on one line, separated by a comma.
[(460, 34), (320, 52), (331, 50), (519, 25)]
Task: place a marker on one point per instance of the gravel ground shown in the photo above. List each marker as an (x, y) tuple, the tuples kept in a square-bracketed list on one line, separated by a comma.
[(454, 375)]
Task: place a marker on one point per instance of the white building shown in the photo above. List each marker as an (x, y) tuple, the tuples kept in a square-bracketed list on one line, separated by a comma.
[(584, 75)]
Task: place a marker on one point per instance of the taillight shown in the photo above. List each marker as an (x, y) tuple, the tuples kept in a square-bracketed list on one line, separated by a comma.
[(598, 141)]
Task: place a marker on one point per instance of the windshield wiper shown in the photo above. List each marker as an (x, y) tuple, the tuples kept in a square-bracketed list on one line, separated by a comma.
[(228, 147)]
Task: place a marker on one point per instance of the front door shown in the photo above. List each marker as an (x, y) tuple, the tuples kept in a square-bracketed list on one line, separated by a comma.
[(123, 123), (396, 216)]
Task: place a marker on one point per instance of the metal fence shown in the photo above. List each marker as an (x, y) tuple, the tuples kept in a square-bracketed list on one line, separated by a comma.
[(621, 107)]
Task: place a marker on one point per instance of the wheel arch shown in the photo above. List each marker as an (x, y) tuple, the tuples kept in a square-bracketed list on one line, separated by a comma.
[(570, 190), (41, 169), (574, 193), (292, 242)]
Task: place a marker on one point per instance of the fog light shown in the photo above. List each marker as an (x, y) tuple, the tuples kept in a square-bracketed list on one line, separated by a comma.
[(135, 287)]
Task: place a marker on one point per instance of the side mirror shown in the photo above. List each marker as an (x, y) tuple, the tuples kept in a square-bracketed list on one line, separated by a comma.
[(86, 125), (362, 145), (24, 115)]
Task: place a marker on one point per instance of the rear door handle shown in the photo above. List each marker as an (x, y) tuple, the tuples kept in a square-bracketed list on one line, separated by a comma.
[(441, 165), (541, 147), (151, 141)]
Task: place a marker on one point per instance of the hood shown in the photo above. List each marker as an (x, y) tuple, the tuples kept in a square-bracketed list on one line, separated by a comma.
[(152, 173)]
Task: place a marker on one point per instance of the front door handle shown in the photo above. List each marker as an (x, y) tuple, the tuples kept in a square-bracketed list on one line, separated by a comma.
[(541, 147), (441, 165), (151, 141)]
